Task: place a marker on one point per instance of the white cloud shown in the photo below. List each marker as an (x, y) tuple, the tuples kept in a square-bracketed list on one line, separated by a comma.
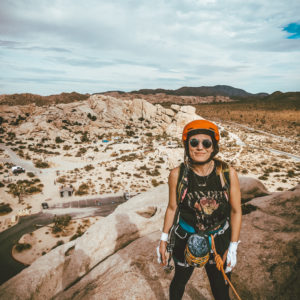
[(99, 45)]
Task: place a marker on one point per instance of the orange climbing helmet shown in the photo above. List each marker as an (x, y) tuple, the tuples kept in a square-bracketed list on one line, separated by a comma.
[(200, 126)]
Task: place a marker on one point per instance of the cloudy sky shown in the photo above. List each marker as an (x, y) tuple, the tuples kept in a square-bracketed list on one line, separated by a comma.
[(89, 46)]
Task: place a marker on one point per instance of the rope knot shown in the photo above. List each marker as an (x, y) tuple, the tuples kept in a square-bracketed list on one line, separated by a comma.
[(219, 262)]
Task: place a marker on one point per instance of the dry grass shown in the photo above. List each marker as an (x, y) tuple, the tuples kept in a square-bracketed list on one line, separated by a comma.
[(277, 118)]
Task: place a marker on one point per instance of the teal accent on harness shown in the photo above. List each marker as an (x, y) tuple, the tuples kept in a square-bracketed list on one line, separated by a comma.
[(185, 226)]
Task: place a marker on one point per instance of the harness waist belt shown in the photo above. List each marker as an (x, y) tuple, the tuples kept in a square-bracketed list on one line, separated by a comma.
[(190, 229), (185, 226)]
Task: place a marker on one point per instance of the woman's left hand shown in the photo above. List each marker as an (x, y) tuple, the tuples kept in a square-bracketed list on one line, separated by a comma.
[(231, 256)]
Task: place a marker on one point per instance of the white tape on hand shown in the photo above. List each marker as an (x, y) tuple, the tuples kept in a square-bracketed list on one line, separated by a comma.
[(158, 255)]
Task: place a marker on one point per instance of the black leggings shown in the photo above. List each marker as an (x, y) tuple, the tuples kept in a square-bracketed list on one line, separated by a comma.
[(182, 275), (219, 287)]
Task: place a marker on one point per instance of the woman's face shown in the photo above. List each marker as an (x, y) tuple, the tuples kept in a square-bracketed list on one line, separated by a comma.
[(198, 151)]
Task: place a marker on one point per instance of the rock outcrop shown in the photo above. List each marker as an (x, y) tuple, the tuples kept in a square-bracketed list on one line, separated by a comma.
[(116, 257), (96, 114)]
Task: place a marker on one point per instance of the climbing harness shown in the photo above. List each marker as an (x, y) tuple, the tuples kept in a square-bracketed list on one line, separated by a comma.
[(219, 265)]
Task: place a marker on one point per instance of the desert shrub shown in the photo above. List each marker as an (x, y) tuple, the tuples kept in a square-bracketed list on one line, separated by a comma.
[(144, 167), (148, 133), (111, 169), (33, 190), (58, 243), (80, 152), (291, 173), (155, 172), (61, 179), (60, 222), (5, 208), (2, 184), (41, 164), (56, 229), (154, 182), (89, 167), (84, 138), (130, 133), (67, 147), (137, 175), (93, 118), (30, 174), (224, 133), (82, 190), (129, 157), (58, 140), (263, 177), (22, 246), (75, 236)]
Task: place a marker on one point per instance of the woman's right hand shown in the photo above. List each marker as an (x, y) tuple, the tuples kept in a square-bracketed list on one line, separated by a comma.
[(162, 251)]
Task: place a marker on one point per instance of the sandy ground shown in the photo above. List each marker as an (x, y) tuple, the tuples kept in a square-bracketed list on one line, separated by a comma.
[(133, 165)]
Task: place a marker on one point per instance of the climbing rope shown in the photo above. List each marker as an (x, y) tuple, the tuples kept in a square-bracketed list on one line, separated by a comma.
[(219, 264)]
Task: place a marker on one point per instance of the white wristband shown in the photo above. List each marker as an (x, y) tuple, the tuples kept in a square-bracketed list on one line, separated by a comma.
[(164, 236)]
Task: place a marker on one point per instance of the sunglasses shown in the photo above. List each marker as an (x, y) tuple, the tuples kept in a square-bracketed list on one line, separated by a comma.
[(205, 143)]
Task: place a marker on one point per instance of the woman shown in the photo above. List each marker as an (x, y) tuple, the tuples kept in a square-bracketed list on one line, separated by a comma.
[(203, 208)]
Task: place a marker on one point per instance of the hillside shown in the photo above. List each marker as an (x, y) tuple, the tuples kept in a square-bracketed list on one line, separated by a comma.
[(218, 90)]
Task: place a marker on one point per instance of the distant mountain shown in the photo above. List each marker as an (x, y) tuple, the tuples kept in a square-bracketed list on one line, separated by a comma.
[(279, 96), (222, 90)]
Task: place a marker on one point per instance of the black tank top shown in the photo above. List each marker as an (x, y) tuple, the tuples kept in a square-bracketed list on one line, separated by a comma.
[(206, 204)]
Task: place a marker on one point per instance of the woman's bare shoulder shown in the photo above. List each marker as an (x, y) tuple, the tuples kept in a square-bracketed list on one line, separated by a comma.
[(173, 176)]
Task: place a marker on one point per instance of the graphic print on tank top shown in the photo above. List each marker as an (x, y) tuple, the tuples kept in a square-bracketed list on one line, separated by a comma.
[(210, 208), (205, 207)]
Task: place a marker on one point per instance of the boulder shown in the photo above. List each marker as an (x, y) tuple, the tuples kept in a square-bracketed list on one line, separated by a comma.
[(251, 188), (182, 118), (175, 107), (166, 119), (191, 110), (169, 112), (269, 254)]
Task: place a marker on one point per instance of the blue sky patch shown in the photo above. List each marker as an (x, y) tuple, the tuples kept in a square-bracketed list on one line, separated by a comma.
[(294, 29)]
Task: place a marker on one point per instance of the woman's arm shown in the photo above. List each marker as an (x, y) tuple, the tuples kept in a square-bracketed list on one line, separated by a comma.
[(235, 205), (170, 212)]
